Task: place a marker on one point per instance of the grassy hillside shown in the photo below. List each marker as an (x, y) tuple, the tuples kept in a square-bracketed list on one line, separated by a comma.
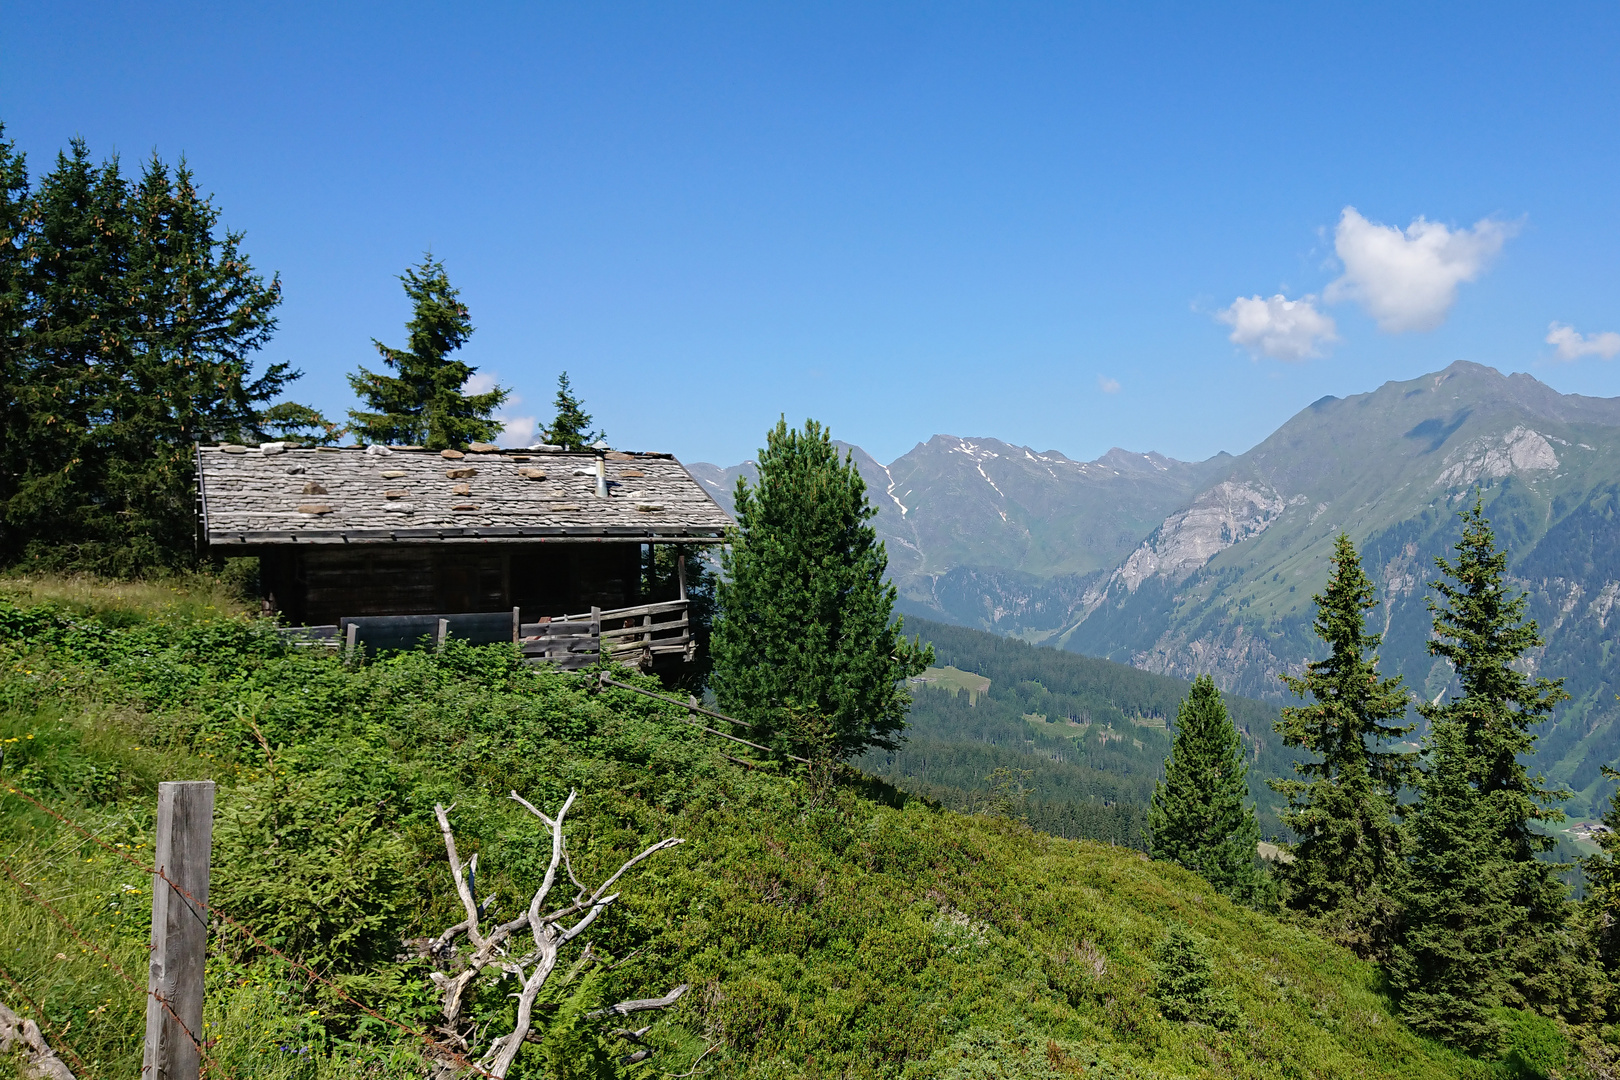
[(1086, 738), (850, 931)]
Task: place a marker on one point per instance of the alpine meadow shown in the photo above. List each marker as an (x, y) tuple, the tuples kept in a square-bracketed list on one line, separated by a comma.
[(389, 691)]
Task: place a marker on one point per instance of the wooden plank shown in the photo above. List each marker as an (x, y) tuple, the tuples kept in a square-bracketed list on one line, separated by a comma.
[(174, 1003)]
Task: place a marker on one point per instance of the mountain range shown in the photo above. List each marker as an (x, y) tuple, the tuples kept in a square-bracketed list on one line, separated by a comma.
[(1188, 567)]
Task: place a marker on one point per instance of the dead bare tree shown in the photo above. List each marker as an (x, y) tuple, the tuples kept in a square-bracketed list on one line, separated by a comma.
[(550, 931)]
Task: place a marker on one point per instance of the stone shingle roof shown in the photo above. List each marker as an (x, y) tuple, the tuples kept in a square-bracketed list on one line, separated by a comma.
[(278, 495)]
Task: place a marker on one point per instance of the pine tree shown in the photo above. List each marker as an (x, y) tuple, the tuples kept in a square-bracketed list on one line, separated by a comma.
[(805, 646), (1602, 905), (1476, 812), (424, 403), (199, 314), (76, 340), (1451, 963), (14, 420), (1348, 859), (1200, 817), (571, 428)]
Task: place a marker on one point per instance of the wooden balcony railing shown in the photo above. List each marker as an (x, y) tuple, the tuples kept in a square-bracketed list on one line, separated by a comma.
[(634, 635)]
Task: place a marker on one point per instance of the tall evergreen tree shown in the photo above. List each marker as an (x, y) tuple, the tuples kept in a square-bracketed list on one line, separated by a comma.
[(1348, 859), (1602, 906), (805, 646), (1477, 807), (1451, 964), (76, 340), (1200, 816), (571, 427), (199, 314), (130, 326), (424, 402), (14, 419)]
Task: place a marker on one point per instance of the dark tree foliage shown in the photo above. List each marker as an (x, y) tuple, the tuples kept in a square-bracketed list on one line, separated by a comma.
[(1475, 813), (571, 427), (1348, 859), (131, 325), (806, 647), (292, 422), (1184, 985), (14, 419), (1451, 963), (423, 403), (1200, 816), (661, 581), (1602, 906)]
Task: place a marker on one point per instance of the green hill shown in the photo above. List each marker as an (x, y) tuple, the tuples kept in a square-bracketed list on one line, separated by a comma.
[(1086, 738), (849, 931)]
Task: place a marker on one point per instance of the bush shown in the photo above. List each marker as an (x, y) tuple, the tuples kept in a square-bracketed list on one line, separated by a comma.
[(1184, 988), (1533, 1047)]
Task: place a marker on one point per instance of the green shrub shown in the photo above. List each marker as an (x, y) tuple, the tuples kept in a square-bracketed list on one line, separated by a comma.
[(1184, 987), (1533, 1047)]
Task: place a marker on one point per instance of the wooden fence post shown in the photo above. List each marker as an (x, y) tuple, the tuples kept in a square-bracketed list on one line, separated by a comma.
[(174, 1002)]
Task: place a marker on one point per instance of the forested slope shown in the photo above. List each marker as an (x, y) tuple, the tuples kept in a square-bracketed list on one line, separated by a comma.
[(845, 931), (1091, 735)]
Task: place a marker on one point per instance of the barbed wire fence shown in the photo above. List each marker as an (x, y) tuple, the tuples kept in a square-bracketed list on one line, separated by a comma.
[(208, 1067)]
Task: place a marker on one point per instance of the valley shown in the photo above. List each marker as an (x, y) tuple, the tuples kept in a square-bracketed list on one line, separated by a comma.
[(1179, 568)]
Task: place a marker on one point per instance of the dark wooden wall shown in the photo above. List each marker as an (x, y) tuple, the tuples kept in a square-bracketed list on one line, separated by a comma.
[(318, 585)]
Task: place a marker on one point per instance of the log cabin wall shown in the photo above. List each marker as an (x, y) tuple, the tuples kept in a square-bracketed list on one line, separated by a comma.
[(319, 585)]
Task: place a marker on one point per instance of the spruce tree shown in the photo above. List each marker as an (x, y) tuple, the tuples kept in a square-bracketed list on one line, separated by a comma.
[(1476, 810), (805, 645), (571, 427), (76, 340), (198, 315), (423, 402), (1347, 862), (1200, 817), (15, 422), (1451, 964), (1602, 905)]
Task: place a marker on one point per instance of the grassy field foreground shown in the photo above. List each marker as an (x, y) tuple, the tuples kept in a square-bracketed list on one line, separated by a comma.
[(847, 931)]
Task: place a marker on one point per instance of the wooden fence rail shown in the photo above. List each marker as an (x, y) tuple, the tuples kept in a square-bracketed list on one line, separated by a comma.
[(636, 635)]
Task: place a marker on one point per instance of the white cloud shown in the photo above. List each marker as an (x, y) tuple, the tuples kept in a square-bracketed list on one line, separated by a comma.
[(517, 430), (1107, 385), (1408, 280), (1572, 344), (479, 382), (1281, 328)]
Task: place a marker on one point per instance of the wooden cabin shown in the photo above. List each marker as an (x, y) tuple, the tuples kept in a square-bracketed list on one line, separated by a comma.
[(349, 538)]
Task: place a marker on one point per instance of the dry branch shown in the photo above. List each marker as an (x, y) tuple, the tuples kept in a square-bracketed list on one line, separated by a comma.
[(550, 931)]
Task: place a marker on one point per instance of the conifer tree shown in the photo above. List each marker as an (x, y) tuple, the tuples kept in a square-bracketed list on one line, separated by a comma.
[(1602, 906), (571, 427), (1476, 809), (805, 645), (423, 403), (1200, 817), (129, 327), (198, 315), (76, 340), (1451, 962), (1347, 861), (14, 419)]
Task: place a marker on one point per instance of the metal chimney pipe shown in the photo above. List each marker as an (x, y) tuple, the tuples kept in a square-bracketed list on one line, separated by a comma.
[(601, 477)]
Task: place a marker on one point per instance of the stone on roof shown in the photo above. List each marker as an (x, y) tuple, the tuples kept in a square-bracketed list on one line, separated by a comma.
[(267, 495)]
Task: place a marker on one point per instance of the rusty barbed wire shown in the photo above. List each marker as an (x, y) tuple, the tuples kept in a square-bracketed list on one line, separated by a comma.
[(248, 932)]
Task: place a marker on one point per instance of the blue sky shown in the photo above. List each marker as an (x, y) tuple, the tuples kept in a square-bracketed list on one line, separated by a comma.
[(1031, 222)]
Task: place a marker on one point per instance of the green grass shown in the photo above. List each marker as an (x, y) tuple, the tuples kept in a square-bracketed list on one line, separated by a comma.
[(851, 932), (954, 680)]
